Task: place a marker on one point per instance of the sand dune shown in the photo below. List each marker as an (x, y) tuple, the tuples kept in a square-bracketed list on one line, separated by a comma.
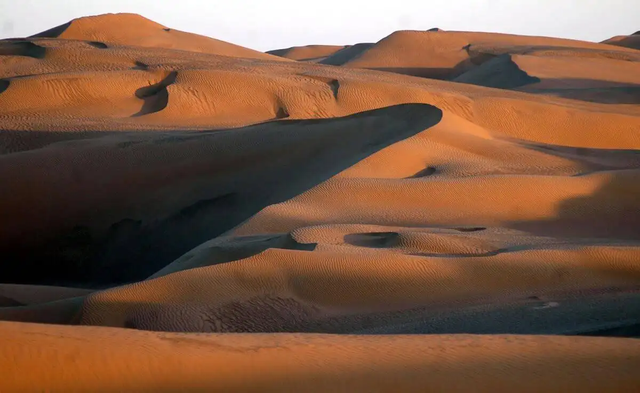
[(75, 359), (569, 68), (310, 53), (445, 54), (590, 79), (154, 165), (323, 54), (627, 41), (157, 181), (134, 30)]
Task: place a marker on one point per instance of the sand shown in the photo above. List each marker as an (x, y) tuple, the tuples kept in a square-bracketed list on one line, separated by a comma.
[(76, 359), (310, 53), (447, 54), (184, 213), (105, 31), (627, 41)]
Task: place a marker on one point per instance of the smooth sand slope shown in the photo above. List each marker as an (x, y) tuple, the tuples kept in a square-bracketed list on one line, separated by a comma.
[(77, 359), (156, 181), (310, 53)]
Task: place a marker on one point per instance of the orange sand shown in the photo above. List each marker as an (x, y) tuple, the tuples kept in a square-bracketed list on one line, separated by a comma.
[(90, 359), (192, 185)]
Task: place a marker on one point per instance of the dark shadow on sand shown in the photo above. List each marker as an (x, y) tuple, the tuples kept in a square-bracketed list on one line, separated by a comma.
[(235, 176), (21, 47), (155, 97), (602, 92), (53, 32), (346, 54), (611, 212)]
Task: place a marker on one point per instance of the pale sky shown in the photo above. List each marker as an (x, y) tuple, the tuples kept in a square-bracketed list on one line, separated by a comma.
[(274, 24)]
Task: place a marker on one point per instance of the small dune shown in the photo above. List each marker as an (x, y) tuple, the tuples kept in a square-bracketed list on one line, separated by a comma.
[(310, 53), (629, 41), (346, 54)]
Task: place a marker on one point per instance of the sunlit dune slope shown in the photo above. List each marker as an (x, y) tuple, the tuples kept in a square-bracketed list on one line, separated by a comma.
[(566, 68), (134, 30), (76, 359), (446, 54)]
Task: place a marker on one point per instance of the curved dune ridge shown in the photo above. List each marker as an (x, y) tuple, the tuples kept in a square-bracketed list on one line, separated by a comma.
[(180, 213)]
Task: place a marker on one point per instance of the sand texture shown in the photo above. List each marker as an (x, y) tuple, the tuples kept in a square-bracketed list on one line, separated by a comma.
[(437, 211)]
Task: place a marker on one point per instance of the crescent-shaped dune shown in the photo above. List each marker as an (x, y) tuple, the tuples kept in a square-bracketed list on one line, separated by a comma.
[(438, 211)]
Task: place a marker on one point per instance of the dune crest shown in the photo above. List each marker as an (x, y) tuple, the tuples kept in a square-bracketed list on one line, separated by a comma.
[(136, 30)]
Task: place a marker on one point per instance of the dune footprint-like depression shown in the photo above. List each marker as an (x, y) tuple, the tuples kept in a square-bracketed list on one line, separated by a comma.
[(437, 211)]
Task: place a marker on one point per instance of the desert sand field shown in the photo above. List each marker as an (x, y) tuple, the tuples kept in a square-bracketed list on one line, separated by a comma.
[(436, 211)]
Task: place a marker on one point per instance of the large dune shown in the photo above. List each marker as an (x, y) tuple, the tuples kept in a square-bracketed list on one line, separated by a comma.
[(134, 30), (155, 180), (444, 54), (540, 65)]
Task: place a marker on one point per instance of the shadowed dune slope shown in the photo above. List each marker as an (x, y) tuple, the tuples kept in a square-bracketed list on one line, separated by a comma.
[(346, 54), (311, 53), (22, 295), (590, 79), (627, 41), (175, 190), (136, 30)]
